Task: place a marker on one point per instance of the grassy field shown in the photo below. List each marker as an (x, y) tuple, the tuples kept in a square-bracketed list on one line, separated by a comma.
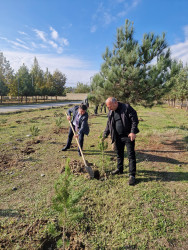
[(150, 215)]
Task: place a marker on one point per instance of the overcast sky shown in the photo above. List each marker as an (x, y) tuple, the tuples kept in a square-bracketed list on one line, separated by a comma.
[(72, 35)]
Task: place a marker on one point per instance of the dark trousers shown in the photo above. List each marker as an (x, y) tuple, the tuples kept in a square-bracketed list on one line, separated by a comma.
[(96, 109), (70, 136), (120, 146)]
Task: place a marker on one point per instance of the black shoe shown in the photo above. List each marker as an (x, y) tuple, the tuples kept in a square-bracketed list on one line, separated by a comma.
[(117, 171), (65, 149), (131, 180)]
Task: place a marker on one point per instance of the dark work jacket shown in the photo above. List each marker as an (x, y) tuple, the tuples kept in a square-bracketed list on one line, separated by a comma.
[(83, 121), (129, 119)]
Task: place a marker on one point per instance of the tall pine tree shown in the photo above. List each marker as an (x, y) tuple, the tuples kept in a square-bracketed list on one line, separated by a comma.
[(134, 72)]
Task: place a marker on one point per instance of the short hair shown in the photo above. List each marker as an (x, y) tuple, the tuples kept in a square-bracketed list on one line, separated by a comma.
[(111, 99), (83, 106)]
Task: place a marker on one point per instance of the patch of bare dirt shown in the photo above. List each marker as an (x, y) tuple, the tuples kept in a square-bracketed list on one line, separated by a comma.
[(29, 143), (7, 161), (18, 121), (34, 228), (25, 231), (61, 130), (40, 117), (27, 150), (75, 242), (39, 139)]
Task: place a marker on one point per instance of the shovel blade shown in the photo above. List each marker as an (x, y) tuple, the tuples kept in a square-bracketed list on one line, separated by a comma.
[(89, 171)]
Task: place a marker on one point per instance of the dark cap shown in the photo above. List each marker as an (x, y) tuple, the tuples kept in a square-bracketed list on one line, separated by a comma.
[(83, 107)]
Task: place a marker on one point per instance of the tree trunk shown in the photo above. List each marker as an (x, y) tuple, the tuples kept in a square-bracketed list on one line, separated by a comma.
[(1, 99), (187, 105), (63, 237), (174, 102), (181, 103)]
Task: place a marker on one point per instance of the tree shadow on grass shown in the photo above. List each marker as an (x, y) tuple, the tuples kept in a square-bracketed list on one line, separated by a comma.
[(158, 175), (98, 152), (9, 213), (176, 144), (182, 127), (142, 156), (91, 152), (165, 176)]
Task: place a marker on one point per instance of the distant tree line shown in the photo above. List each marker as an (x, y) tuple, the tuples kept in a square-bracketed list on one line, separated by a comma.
[(139, 73), (179, 85), (34, 82)]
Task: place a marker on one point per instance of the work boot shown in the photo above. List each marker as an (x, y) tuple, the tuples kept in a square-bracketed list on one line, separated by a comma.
[(65, 148), (117, 171), (131, 180)]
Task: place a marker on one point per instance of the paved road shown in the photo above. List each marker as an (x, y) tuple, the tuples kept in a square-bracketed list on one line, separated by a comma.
[(9, 109)]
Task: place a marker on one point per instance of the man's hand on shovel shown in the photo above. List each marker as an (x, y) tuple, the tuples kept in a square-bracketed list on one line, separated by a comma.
[(68, 117)]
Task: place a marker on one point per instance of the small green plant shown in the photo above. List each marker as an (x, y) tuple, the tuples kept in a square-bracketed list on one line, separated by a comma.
[(33, 121), (3, 121), (65, 202), (55, 114), (103, 145), (34, 130), (59, 122)]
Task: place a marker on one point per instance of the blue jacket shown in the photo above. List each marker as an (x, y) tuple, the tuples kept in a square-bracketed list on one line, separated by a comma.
[(83, 121)]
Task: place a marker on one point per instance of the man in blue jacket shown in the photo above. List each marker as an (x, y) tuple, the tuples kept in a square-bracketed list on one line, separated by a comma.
[(80, 124), (122, 126)]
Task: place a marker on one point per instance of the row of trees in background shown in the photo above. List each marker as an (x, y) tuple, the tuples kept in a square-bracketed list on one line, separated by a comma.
[(34, 82), (179, 82), (139, 73)]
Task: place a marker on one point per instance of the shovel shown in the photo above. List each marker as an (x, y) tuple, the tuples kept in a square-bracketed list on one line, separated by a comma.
[(88, 168)]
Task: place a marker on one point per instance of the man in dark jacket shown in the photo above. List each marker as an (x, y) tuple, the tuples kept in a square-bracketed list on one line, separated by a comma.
[(80, 124), (122, 126)]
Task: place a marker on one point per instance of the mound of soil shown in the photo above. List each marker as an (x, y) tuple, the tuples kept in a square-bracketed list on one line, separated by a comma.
[(78, 168), (75, 243)]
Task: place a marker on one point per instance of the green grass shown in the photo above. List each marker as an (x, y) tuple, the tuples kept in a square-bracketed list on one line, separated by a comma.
[(150, 215)]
